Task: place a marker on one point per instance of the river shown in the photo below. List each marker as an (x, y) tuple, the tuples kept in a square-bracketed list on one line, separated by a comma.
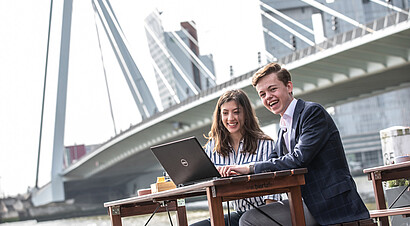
[(159, 219)]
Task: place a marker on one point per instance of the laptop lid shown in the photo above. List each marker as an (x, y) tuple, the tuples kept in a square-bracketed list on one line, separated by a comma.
[(185, 161)]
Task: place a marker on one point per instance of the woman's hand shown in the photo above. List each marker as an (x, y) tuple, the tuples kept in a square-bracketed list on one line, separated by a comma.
[(269, 201), (231, 170)]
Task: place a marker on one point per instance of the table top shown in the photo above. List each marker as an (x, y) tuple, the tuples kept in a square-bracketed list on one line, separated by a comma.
[(200, 188), (388, 167)]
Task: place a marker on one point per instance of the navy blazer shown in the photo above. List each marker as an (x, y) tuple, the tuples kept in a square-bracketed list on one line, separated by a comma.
[(330, 192)]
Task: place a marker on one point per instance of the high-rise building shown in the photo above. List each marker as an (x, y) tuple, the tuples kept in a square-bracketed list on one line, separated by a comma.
[(359, 123), (180, 70)]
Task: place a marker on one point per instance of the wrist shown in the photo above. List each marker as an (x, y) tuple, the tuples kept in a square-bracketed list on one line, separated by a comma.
[(251, 168)]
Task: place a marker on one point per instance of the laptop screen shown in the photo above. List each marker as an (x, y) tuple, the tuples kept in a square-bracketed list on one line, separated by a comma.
[(185, 161)]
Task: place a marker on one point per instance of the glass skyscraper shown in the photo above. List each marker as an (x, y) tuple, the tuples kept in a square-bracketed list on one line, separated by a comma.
[(172, 62)]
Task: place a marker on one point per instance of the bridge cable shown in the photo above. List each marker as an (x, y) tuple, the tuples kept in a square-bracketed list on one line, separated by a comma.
[(267, 31), (194, 88), (44, 93), (166, 83), (336, 14), (124, 48), (188, 52), (192, 39), (103, 65), (390, 6), (287, 28), (284, 16), (124, 58)]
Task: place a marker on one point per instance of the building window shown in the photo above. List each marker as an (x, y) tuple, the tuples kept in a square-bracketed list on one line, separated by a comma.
[(372, 158)]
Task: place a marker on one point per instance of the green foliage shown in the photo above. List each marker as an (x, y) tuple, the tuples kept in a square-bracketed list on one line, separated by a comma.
[(397, 183)]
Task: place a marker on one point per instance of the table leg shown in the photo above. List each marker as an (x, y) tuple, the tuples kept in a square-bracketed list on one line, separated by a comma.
[(379, 196), (296, 206), (181, 216), (215, 208), (115, 215)]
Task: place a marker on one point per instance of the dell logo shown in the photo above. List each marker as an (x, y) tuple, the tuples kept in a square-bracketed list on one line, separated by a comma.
[(184, 162)]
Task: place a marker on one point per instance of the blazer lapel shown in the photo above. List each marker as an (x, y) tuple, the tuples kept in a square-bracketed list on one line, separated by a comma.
[(300, 105), (280, 143)]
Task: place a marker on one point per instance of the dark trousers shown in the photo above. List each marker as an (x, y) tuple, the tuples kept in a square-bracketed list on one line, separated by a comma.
[(279, 211), (234, 220)]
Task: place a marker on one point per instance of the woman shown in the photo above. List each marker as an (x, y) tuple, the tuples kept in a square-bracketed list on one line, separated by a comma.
[(236, 138)]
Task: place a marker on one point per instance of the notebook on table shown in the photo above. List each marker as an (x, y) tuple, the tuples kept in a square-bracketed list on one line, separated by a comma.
[(185, 161)]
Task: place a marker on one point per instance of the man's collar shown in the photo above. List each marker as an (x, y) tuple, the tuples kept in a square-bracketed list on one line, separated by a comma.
[(290, 110)]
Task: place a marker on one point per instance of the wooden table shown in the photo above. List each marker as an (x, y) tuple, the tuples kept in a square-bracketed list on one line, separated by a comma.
[(384, 173), (216, 191)]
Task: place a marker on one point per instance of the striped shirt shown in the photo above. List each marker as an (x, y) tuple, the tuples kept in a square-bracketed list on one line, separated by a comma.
[(264, 149)]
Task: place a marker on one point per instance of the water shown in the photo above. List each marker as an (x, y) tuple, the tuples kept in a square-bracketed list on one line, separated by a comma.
[(159, 219)]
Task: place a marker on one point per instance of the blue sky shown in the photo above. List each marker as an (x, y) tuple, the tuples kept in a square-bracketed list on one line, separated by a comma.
[(230, 30)]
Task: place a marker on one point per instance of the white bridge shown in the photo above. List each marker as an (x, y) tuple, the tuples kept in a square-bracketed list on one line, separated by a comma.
[(352, 65)]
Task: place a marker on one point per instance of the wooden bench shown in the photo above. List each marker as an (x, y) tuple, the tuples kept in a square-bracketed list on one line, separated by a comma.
[(366, 222), (404, 211), (385, 173)]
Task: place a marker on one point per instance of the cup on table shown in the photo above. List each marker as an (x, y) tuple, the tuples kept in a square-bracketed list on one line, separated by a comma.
[(403, 158)]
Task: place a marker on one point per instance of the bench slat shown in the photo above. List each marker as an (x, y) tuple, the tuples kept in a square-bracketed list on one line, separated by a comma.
[(366, 222), (390, 212)]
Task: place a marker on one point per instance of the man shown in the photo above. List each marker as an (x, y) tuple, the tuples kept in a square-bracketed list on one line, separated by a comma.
[(310, 140)]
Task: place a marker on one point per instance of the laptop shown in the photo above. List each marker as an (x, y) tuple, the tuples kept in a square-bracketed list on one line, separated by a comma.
[(185, 161)]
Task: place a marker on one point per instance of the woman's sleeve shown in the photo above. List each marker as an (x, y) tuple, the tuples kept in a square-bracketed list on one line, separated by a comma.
[(209, 150), (267, 148)]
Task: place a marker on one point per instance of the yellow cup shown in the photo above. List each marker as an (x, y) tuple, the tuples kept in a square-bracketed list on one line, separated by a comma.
[(160, 179)]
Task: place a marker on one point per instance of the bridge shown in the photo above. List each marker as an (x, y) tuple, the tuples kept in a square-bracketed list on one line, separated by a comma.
[(349, 66)]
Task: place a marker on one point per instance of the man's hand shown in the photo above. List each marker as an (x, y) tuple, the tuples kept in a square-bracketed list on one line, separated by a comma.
[(227, 171)]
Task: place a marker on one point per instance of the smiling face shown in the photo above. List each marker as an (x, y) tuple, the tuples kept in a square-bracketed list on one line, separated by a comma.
[(232, 117), (275, 95)]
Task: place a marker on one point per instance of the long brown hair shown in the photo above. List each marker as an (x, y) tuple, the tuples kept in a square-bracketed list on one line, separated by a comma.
[(251, 130)]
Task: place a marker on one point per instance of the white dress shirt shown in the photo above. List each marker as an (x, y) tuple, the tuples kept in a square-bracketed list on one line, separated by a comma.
[(286, 123)]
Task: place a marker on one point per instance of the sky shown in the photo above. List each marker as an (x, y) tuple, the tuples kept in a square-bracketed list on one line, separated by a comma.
[(230, 30)]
